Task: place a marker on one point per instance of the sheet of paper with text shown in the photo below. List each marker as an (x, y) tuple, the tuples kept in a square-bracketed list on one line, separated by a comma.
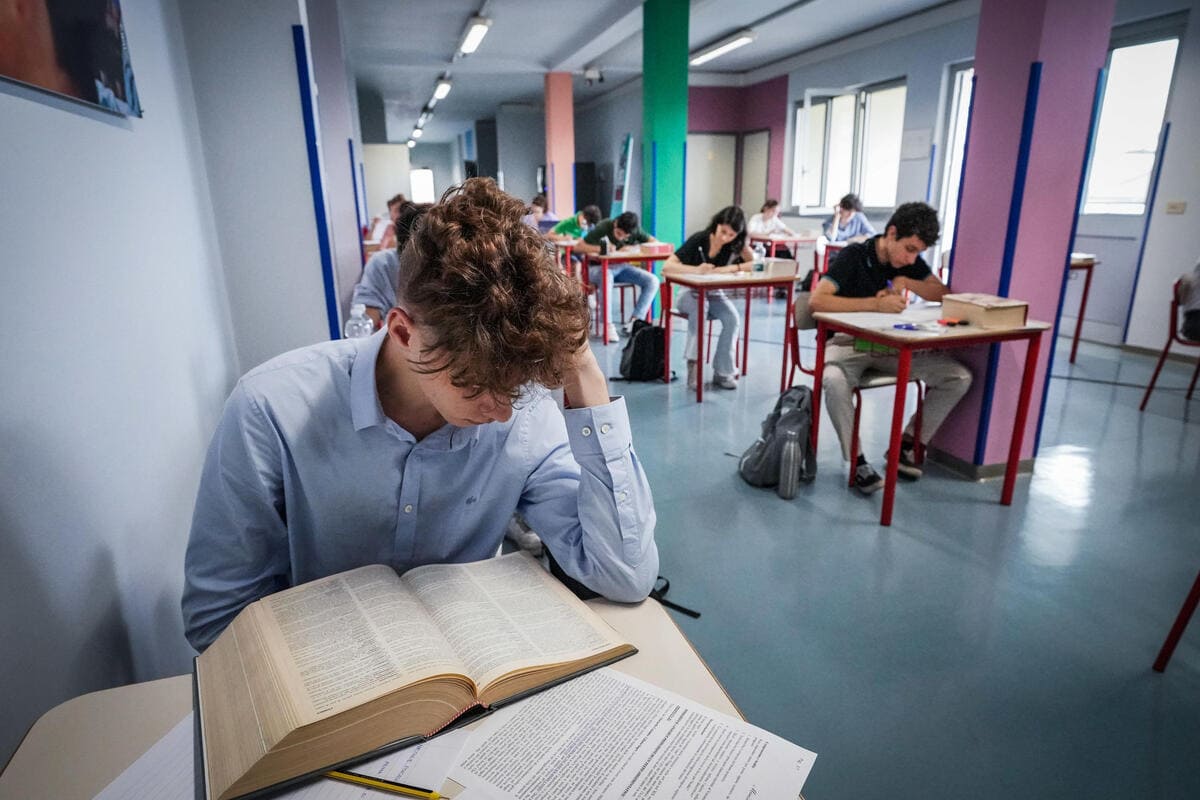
[(606, 736)]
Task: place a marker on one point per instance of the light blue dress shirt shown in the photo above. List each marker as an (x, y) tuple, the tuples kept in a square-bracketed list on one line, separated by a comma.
[(857, 225), (377, 286), (306, 477)]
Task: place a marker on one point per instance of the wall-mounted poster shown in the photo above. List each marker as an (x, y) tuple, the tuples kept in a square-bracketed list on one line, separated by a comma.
[(74, 48)]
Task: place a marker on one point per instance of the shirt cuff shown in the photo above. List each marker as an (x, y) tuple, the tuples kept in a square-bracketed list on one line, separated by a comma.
[(599, 430)]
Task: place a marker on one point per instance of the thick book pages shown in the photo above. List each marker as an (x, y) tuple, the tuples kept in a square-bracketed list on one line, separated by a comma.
[(322, 674), (985, 310)]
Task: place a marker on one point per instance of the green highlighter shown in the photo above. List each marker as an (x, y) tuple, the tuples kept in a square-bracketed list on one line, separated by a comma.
[(863, 346)]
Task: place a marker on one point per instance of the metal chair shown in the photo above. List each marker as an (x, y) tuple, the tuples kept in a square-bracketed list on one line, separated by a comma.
[(1179, 292)]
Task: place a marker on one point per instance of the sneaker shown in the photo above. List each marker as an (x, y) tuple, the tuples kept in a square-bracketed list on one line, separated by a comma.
[(591, 302), (613, 333), (867, 480), (907, 466), (724, 381), (691, 376)]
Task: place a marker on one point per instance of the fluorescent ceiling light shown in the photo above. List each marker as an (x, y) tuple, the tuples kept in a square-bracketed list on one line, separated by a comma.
[(421, 120), (417, 133), (477, 28), (411, 143), (726, 45), (443, 89)]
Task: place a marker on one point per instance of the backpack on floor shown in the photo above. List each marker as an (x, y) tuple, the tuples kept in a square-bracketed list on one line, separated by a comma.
[(642, 358), (783, 455)]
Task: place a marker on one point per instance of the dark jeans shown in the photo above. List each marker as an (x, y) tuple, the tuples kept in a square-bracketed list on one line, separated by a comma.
[(1191, 325)]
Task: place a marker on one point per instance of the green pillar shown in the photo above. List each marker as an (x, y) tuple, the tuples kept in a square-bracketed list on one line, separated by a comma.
[(664, 116)]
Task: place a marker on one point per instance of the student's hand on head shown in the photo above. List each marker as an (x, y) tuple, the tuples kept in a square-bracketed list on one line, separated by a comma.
[(586, 384)]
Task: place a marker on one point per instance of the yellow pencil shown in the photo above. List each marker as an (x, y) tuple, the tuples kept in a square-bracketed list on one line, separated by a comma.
[(382, 784)]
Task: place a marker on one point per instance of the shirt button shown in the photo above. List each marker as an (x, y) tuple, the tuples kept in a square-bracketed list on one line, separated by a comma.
[(408, 509), (605, 428), (624, 495), (586, 431)]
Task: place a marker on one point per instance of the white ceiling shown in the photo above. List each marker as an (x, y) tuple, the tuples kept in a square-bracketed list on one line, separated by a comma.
[(398, 49)]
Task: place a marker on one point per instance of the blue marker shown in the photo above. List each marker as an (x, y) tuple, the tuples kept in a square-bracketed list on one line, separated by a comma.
[(905, 326)]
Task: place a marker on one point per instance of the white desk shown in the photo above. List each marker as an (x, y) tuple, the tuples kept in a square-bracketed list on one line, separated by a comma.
[(80, 746)]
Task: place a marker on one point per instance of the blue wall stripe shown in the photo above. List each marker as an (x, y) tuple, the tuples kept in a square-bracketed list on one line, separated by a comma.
[(314, 174), (358, 217), (653, 221), (929, 177), (1010, 246), (1097, 101), (1137, 271)]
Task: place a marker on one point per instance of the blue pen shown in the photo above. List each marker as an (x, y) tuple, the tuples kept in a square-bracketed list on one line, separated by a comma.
[(905, 326)]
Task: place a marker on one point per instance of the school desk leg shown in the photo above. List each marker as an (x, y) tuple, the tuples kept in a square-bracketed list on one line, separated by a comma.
[(1181, 621), (604, 294), (1018, 434), (665, 293), (818, 371), (903, 367), (746, 334), (700, 345), (787, 323), (1087, 285)]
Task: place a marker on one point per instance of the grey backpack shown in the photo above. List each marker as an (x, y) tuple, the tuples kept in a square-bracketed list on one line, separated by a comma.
[(783, 455)]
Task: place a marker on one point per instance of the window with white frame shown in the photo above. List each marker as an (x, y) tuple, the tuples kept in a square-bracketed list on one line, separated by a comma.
[(848, 141), (1131, 115)]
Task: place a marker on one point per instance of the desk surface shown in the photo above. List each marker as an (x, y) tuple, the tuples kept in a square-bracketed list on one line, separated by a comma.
[(881, 325), (80, 746), (726, 280)]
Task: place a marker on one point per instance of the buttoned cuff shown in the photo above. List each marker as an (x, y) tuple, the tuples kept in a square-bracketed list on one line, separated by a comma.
[(599, 430)]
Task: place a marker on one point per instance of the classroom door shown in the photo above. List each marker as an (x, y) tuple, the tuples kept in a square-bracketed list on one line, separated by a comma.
[(710, 179), (755, 147)]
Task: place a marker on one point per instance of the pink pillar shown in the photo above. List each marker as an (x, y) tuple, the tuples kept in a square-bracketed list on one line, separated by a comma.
[(1036, 66), (560, 143)]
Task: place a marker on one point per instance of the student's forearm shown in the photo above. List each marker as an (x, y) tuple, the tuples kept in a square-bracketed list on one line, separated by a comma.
[(833, 303)]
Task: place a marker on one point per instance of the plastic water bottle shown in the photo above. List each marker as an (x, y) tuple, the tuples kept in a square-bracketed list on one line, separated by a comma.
[(760, 256), (359, 324)]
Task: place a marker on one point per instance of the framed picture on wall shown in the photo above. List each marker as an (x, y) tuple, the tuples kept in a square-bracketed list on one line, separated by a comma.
[(73, 48)]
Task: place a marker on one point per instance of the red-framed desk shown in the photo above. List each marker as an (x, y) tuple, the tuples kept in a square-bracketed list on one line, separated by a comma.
[(563, 249), (831, 250), (867, 326), (80, 746), (1085, 262), (632, 256), (775, 240), (711, 282)]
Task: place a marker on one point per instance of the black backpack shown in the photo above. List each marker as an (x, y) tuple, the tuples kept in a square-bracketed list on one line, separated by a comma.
[(783, 456), (642, 358)]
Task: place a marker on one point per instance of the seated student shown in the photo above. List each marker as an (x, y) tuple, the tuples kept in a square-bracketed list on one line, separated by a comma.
[(612, 234), (376, 288), (576, 225), (538, 212), (395, 206), (1191, 309), (416, 445), (848, 223), (766, 222), (872, 276), (721, 247)]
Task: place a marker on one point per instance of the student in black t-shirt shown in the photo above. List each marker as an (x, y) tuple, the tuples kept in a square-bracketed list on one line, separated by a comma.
[(872, 276), (721, 247)]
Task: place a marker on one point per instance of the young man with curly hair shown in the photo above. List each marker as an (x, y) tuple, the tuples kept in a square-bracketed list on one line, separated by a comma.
[(416, 445)]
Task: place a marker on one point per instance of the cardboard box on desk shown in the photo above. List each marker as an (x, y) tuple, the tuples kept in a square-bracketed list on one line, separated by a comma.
[(985, 310), (778, 267), (658, 248)]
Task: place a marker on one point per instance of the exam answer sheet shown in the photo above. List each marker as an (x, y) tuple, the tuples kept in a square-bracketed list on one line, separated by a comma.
[(608, 736)]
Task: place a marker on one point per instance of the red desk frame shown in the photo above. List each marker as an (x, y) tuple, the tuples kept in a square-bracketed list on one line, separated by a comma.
[(1086, 262), (641, 259), (905, 345), (711, 282)]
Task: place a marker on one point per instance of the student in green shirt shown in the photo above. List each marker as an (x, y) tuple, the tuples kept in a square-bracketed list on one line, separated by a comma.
[(609, 235), (575, 226)]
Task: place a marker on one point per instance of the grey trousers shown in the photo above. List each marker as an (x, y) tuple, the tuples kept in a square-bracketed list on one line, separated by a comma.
[(717, 306), (946, 381)]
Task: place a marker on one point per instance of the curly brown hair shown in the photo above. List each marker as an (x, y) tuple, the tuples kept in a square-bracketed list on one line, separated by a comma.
[(487, 291)]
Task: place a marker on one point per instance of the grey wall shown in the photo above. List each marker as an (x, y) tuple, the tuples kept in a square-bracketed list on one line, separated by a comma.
[(520, 147), (600, 127), (117, 350), (243, 68)]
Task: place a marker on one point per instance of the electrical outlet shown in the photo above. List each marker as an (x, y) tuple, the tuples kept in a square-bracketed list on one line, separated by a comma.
[(1176, 206)]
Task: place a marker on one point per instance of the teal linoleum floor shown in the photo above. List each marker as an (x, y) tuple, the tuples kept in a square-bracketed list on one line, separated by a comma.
[(970, 650)]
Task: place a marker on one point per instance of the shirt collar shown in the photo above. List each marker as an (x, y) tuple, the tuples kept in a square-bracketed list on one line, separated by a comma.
[(366, 410)]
